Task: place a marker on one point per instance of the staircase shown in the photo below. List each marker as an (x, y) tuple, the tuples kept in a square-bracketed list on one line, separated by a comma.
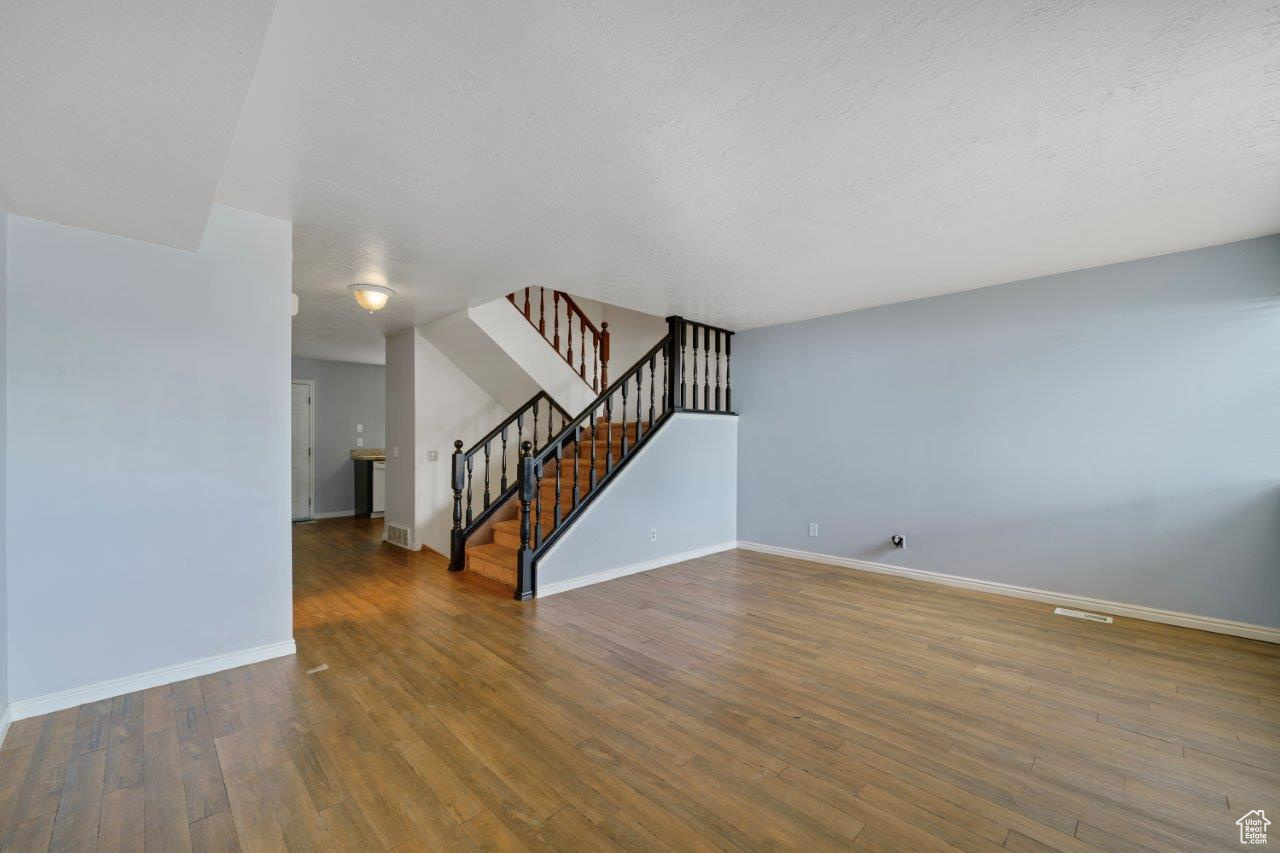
[(522, 486)]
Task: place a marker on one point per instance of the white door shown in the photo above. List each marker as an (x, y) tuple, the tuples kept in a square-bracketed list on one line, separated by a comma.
[(301, 460)]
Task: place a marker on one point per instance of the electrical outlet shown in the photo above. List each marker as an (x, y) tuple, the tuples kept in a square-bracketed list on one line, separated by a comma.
[(813, 528), (433, 455), (653, 534)]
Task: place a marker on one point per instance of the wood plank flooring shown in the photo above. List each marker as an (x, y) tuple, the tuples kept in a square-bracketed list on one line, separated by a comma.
[(738, 701)]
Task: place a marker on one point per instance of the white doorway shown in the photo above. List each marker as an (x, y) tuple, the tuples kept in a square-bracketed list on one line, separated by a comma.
[(303, 427)]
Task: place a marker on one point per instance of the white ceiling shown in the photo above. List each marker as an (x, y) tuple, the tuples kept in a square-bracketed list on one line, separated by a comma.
[(117, 116), (743, 163)]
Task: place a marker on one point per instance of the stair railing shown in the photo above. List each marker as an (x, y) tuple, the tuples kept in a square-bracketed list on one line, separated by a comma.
[(592, 368), (542, 418), (626, 423)]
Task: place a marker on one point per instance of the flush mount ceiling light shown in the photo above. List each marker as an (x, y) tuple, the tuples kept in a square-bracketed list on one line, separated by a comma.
[(371, 296)]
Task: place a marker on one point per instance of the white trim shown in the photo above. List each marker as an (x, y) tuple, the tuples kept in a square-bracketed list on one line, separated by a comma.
[(6, 717), (63, 699), (311, 455), (1132, 611), (344, 513), (609, 574)]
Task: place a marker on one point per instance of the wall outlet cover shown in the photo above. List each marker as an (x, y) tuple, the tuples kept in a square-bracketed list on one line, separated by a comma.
[(813, 528), (653, 534), (433, 455)]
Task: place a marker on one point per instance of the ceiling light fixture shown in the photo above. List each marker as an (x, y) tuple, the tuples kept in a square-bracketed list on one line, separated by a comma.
[(371, 296)]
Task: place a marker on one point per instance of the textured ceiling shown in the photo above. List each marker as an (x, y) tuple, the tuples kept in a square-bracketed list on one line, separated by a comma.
[(117, 116), (744, 163)]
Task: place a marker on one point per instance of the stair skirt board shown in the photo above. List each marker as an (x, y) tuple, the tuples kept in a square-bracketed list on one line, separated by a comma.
[(1114, 608), (635, 568)]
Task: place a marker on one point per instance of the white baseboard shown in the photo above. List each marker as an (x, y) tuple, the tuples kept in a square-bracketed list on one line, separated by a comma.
[(622, 571), (6, 717), (344, 513), (63, 699), (1114, 608)]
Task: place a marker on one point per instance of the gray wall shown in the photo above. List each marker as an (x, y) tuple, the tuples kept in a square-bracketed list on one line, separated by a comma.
[(147, 426), (1113, 433), (4, 452), (346, 394)]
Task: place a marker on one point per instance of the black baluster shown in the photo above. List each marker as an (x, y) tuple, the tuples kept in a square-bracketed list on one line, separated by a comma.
[(551, 413), (504, 459), (537, 499), (577, 453), (718, 371), (679, 385), (639, 402), (519, 435), (695, 368), (559, 467), (652, 362), (535, 424), (728, 393), (592, 478), (622, 452), (706, 367), (486, 474), (457, 540), (468, 491), (608, 434), (666, 374)]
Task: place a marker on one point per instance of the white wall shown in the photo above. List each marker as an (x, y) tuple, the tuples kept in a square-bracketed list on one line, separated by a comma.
[(148, 433), (683, 484), (430, 404)]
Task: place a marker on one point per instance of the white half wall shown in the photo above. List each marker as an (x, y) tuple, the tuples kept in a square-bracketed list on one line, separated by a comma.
[(148, 438), (683, 484)]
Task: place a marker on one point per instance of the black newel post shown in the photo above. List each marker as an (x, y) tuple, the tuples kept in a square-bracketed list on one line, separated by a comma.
[(457, 542), (675, 363), (524, 557)]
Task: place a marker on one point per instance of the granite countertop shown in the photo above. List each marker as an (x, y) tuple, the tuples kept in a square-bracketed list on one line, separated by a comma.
[(370, 454)]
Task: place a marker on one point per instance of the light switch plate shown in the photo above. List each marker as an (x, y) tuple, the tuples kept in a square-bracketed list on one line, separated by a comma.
[(433, 455), (395, 453)]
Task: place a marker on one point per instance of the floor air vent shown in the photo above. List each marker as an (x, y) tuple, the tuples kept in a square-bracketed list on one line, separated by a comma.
[(397, 535), (1082, 614)]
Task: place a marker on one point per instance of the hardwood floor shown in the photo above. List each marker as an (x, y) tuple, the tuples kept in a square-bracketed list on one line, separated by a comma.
[(734, 701)]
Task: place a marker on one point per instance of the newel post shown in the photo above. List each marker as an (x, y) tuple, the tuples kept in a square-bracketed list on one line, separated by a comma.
[(604, 356), (524, 557), (675, 362), (457, 541)]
